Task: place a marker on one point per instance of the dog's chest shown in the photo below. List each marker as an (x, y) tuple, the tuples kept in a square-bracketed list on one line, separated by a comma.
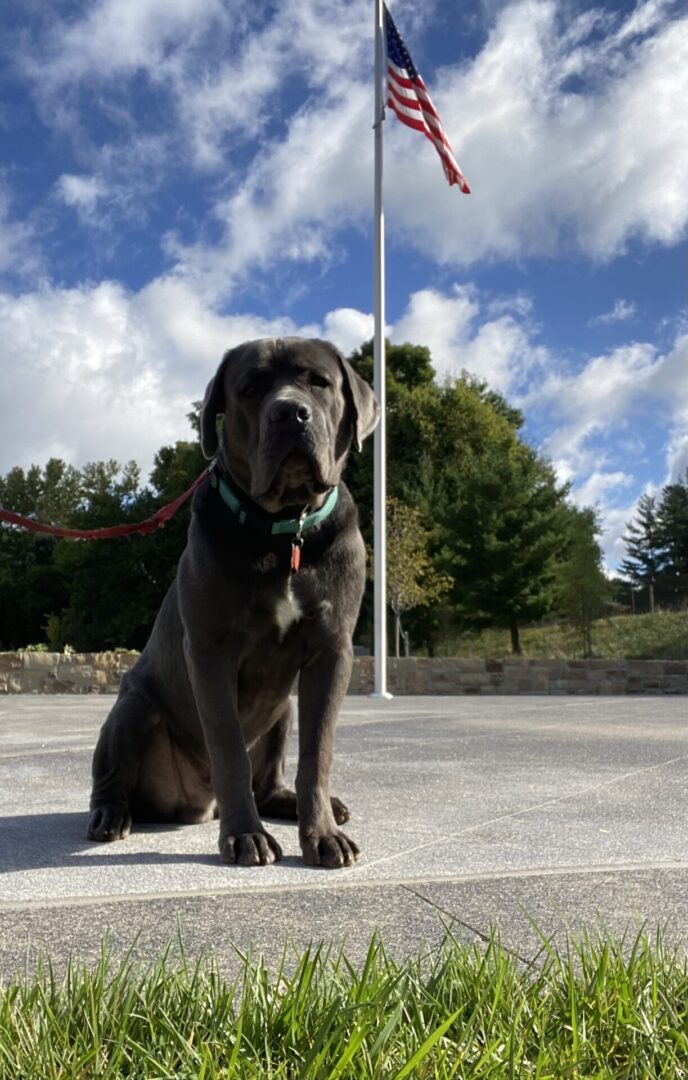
[(287, 610)]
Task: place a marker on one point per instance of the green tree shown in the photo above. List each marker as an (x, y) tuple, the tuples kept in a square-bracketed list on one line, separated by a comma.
[(31, 585), (412, 397), (432, 430), (505, 538), (583, 588), (407, 366), (95, 594), (412, 581), (672, 524), (644, 545), (117, 586), (109, 594)]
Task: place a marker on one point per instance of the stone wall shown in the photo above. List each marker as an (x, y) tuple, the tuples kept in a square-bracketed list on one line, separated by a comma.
[(100, 673), (63, 673), (424, 675)]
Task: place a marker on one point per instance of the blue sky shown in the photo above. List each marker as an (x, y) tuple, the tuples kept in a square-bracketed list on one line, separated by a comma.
[(180, 175)]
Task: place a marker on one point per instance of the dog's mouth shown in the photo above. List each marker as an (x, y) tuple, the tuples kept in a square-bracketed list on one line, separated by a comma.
[(297, 480)]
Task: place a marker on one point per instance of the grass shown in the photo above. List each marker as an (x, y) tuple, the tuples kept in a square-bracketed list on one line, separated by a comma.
[(597, 1008), (662, 636)]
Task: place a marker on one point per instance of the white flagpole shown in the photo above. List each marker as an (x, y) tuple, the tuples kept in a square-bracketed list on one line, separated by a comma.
[(380, 478)]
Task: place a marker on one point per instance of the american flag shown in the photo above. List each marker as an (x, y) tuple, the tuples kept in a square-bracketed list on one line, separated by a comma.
[(407, 96)]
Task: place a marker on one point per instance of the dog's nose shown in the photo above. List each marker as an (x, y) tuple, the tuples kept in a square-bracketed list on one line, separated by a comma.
[(288, 411)]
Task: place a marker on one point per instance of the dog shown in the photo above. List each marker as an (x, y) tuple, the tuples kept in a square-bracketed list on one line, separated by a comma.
[(268, 587)]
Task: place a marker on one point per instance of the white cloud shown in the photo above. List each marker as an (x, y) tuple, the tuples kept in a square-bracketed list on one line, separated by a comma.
[(593, 400), (102, 343), (550, 167), (348, 328), (567, 139), (109, 374), (292, 201), (460, 337), (440, 321), (672, 383), (320, 43), (593, 491), (595, 412), (116, 38), (614, 522), (83, 193), (217, 68), (567, 130), (621, 312), (677, 450), (19, 253), (83, 390), (644, 19)]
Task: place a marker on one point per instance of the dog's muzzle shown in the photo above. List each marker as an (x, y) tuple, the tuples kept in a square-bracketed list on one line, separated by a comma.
[(292, 452)]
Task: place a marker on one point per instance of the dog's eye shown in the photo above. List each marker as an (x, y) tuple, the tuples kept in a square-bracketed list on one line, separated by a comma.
[(318, 380), (248, 390)]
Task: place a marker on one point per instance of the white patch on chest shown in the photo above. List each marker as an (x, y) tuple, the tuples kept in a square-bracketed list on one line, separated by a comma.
[(287, 611)]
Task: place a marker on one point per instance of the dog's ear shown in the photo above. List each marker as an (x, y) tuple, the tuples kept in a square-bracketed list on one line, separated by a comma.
[(213, 403), (363, 405)]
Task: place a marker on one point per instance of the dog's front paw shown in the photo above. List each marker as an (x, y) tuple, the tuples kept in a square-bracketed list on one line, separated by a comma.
[(331, 849), (250, 849), (107, 823)]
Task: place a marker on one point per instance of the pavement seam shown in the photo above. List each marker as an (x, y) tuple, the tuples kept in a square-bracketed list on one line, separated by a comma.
[(573, 795), (526, 810), (349, 885)]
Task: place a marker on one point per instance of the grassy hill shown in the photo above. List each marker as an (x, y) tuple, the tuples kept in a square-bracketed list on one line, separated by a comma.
[(662, 636)]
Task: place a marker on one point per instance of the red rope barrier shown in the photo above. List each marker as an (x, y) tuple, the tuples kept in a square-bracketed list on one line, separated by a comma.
[(111, 532)]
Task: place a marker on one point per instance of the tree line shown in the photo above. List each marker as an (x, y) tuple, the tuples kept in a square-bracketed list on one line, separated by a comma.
[(480, 532)]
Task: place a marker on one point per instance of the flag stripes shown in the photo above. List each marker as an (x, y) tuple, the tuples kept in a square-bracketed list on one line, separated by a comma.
[(408, 98)]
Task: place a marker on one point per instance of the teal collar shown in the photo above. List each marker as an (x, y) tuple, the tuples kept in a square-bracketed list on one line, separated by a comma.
[(274, 526)]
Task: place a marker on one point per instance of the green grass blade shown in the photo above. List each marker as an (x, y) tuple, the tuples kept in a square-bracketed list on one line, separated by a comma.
[(427, 1046)]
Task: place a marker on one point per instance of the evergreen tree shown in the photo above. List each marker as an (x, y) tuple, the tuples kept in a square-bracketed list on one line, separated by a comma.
[(505, 538), (644, 544), (672, 520)]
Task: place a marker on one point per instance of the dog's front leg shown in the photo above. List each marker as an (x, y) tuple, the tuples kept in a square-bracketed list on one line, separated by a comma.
[(322, 685), (242, 837)]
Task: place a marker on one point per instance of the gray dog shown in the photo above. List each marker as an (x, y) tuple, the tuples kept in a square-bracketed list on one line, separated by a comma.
[(269, 585)]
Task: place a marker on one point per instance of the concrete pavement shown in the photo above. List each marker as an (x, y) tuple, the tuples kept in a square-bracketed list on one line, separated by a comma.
[(473, 812)]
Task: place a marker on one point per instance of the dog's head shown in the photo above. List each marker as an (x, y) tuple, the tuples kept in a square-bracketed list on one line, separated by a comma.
[(291, 409)]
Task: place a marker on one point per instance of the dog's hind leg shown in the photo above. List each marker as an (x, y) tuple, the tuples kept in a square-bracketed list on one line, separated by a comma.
[(273, 798), (117, 763)]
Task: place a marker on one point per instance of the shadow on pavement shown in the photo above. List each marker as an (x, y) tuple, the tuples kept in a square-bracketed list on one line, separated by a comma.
[(39, 841)]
